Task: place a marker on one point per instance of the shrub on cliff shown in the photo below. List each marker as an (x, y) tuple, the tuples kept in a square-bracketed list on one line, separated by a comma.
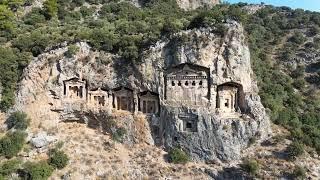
[(18, 120), (9, 167), (50, 8), (299, 173), (40, 170), (251, 166), (119, 134), (58, 159), (72, 50), (12, 143), (178, 156), (295, 149)]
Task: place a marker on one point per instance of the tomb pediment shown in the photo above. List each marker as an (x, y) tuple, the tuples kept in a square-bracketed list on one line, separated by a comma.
[(74, 80), (98, 91), (187, 71)]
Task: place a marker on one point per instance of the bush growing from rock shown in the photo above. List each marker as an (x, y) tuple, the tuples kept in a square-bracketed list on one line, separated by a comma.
[(299, 172), (299, 83), (72, 50), (58, 158), (178, 156), (18, 120), (9, 167), (295, 149), (38, 171), (251, 166), (252, 140), (119, 134), (12, 143)]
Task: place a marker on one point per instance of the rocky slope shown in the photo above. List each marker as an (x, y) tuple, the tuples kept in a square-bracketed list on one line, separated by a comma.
[(94, 155)]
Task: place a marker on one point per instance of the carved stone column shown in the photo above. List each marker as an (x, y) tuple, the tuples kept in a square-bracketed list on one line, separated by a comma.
[(115, 102), (84, 92), (135, 102)]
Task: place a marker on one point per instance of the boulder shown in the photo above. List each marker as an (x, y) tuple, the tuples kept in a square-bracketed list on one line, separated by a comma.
[(42, 140)]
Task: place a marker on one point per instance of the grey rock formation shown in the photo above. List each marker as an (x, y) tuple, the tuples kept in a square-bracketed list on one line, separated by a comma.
[(206, 130), (42, 140), (192, 4)]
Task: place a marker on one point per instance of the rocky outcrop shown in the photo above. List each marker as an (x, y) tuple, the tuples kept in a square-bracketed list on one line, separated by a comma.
[(191, 4), (215, 135), (42, 140)]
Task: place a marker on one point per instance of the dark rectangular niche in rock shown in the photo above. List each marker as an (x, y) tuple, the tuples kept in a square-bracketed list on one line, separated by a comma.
[(190, 122)]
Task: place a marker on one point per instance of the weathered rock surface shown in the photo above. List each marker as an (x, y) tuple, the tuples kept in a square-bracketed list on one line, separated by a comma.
[(42, 140), (218, 136), (191, 4)]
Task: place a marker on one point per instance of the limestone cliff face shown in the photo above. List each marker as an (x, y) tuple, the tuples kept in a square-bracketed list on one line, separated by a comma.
[(192, 4), (215, 126), (184, 4)]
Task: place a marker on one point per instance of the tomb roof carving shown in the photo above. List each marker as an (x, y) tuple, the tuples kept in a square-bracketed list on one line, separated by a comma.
[(74, 79), (187, 67), (97, 91), (231, 83), (148, 93), (122, 88)]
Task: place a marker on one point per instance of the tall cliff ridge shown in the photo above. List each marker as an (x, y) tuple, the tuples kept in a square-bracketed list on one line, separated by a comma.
[(196, 89)]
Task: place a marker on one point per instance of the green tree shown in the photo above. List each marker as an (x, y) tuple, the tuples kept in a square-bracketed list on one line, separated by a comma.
[(39, 171), (295, 149), (251, 166), (72, 50), (299, 173), (178, 156), (8, 167), (8, 77), (6, 18), (18, 120), (50, 8), (12, 143), (58, 158), (35, 17)]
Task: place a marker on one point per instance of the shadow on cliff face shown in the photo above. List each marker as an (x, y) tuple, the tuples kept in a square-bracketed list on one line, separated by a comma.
[(102, 121), (124, 69), (231, 174)]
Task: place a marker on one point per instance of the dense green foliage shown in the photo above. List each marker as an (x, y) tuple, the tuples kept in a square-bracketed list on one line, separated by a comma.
[(11, 64), (12, 143), (40, 170), (18, 120), (178, 156), (9, 167), (275, 37), (58, 158)]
